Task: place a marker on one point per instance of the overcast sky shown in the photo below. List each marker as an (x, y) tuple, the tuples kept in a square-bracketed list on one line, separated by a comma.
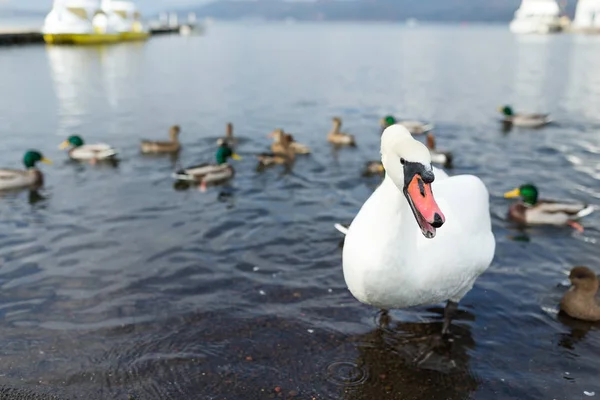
[(144, 5)]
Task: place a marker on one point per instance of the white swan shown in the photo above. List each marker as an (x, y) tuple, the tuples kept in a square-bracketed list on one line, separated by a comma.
[(394, 256)]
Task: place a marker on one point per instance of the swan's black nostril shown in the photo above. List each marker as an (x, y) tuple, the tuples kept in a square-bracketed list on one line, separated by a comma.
[(437, 221)]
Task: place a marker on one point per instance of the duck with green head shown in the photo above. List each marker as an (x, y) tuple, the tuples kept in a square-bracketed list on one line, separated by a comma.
[(523, 120), (29, 177), (81, 151), (533, 211), (210, 174), (414, 127)]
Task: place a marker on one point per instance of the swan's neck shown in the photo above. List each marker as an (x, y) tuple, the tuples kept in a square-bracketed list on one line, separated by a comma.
[(394, 204)]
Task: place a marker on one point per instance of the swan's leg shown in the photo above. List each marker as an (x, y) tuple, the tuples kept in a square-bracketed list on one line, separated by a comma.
[(449, 312), (384, 319)]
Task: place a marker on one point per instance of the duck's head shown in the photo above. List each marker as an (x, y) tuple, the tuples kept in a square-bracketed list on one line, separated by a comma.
[(528, 192), (277, 134), (584, 278), (174, 132), (386, 121), (224, 152), (72, 141), (337, 121), (408, 163), (32, 157), (506, 110)]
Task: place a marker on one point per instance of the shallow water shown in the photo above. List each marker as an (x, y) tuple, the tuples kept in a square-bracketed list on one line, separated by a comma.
[(116, 284)]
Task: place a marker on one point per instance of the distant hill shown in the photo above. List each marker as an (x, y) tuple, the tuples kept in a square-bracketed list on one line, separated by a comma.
[(11, 12), (365, 10)]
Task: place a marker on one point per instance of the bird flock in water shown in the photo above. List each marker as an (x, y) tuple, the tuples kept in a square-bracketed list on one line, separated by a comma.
[(422, 237)]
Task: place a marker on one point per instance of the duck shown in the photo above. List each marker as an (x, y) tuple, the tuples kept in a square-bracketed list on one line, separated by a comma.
[(277, 147), (414, 127), (171, 146), (408, 247), (532, 211), (210, 174), (88, 152), (523, 120), (29, 177), (229, 139), (581, 300), (438, 157), (335, 136), (373, 168), (284, 153)]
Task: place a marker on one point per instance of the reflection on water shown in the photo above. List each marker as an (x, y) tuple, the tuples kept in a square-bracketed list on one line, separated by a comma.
[(387, 357), (115, 284)]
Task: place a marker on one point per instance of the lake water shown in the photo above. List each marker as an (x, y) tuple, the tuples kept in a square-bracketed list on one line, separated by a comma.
[(114, 284)]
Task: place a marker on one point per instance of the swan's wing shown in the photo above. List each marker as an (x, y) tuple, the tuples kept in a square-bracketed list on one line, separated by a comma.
[(439, 174), (464, 200)]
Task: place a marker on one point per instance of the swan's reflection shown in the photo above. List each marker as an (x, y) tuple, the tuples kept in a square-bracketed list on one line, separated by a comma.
[(393, 366)]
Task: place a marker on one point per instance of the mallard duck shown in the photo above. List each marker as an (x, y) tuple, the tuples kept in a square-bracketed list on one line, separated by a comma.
[(210, 174), (172, 146), (335, 136), (413, 126), (581, 300), (284, 153), (402, 249), (228, 138), (438, 157), (30, 177), (88, 152), (277, 147), (531, 211), (523, 120)]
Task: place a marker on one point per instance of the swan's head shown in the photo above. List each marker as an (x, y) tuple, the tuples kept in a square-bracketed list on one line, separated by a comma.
[(408, 163)]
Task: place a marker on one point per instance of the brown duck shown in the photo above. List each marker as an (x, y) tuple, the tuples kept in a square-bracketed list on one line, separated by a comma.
[(443, 158), (581, 300), (335, 135), (277, 146), (171, 146), (228, 139), (285, 154)]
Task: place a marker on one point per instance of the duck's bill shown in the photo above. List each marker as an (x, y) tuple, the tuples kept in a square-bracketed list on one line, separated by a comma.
[(64, 145), (424, 207), (236, 156), (46, 161), (512, 194)]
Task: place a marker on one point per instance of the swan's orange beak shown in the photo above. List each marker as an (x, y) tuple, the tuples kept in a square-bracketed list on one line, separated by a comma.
[(426, 211)]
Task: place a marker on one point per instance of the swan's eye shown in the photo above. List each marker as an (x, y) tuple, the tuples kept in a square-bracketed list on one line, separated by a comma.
[(402, 161)]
